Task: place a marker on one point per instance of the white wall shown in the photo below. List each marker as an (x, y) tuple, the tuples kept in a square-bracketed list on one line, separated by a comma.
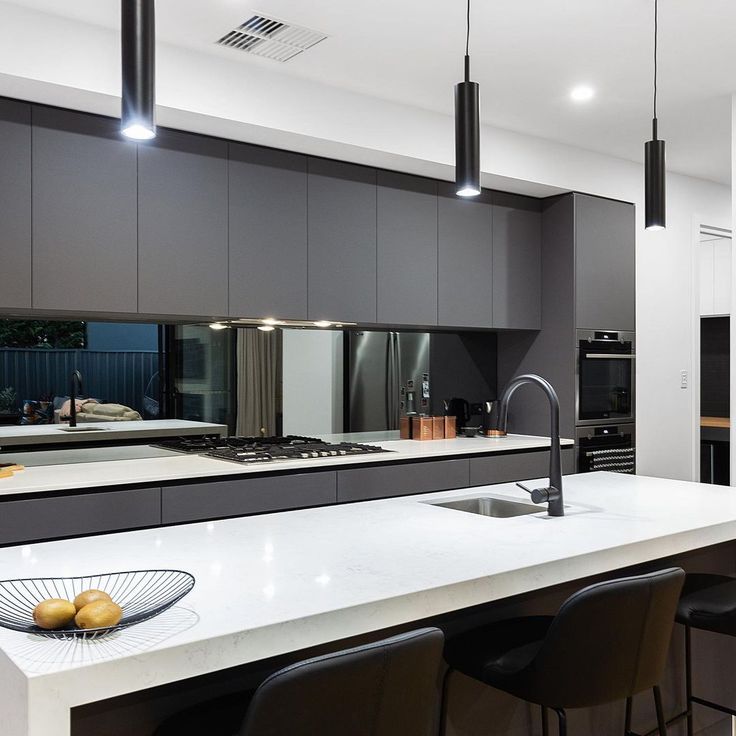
[(77, 66), (312, 382)]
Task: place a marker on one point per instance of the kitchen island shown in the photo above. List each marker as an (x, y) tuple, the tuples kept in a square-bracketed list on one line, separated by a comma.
[(277, 583), (47, 435)]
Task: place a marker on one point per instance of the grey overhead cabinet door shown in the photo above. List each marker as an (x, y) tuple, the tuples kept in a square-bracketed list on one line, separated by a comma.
[(605, 264), (407, 249), (342, 241), (517, 262), (15, 204), (182, 228), (268, 233), (84, 214), (465, 277)]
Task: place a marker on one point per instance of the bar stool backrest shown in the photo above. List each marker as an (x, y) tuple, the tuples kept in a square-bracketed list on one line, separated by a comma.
[(387, 688), (609, 640)]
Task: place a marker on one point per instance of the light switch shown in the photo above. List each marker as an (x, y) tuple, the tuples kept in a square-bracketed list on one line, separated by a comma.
[(683, 379)]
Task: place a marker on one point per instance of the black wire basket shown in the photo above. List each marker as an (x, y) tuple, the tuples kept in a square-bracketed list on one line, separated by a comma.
[(142, 594)]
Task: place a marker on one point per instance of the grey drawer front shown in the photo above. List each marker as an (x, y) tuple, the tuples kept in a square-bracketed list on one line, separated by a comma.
[(361, 484), (89, 513), (521, 466), (244, 496)]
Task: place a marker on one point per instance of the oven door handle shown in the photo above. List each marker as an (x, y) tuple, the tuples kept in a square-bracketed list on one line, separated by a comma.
[(608, 356)]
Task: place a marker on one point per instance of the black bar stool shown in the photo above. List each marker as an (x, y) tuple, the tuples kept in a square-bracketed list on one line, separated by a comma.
[(608, 642), (708, 603), (387, 688)]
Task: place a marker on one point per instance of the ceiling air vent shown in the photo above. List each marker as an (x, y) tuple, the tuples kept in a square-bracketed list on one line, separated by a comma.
[(271, 38)]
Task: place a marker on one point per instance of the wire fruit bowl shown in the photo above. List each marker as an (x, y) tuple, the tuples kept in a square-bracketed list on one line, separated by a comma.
[(142, 594)]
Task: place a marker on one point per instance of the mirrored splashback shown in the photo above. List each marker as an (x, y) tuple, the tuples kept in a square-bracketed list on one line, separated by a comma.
[(319, 382)]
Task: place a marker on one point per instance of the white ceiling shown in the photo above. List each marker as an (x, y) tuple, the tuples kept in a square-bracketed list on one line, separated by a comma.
[(526, 55)]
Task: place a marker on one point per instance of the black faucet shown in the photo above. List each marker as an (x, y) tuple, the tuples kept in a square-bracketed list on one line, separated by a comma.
[(553, 494), (76, 381)]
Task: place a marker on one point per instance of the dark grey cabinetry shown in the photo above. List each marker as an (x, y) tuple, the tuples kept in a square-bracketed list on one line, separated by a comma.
[(15, 204), (382, 481), (517, 262), (244, 496), (407, 249), (182, 226), (604, 264), (520, 466), (268, 233), (99, 510), (465, 268), (84, 214), (342, 241)]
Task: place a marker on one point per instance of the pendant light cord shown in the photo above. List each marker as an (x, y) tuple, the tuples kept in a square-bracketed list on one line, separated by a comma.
[(656, 33), (467, 44)]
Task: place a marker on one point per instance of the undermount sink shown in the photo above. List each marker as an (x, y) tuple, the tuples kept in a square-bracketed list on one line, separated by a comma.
[(498, 508), (82, 429)]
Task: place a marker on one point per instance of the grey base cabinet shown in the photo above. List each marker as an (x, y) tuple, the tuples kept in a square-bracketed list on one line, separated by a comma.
[(245, 496), (99, 510), (15, 204), (522, 466), (362, 484)]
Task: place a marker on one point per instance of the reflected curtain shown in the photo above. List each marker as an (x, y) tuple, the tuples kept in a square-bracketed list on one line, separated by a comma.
[(259, 381)]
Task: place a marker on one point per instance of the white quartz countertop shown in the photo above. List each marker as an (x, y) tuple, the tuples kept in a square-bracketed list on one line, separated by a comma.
[(169, 466), (276, 583), (38, 434)]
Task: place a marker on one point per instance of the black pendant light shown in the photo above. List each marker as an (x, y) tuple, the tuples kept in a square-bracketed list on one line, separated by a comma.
[(654, 166), (467, 129), (138, 39)]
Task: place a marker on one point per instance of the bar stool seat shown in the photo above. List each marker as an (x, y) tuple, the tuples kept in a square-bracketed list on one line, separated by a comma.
[(708, 602), (385, 688), (608, 642), (499, 653)]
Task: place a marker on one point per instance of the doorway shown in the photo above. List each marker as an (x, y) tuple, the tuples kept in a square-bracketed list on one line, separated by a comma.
[(712, 353)]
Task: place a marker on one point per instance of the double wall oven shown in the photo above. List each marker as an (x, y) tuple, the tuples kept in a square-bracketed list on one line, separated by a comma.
[(605, 401)]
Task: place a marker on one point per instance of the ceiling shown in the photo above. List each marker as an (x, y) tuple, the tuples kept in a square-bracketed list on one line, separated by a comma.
[(526, 54)]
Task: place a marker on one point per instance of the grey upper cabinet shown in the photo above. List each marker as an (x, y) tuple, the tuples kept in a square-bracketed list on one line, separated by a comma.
[(605, 272), (15, 203), (268, 233), (465, 268), (84, 214), (517, 262), (407, 249), (342, 241), (182, 225)]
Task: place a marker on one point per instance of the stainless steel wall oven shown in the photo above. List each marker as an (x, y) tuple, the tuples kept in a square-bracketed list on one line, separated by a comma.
[(606, 376)]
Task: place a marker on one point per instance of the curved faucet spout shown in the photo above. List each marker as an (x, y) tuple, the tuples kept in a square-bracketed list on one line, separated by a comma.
[(76, 381), (553, 494)]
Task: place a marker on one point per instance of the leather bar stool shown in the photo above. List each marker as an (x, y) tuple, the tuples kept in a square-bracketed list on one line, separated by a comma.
[(608, 642), (708, 603), (387, 688)]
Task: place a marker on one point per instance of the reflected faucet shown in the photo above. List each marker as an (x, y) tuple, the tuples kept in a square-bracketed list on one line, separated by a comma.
[(553, 494), (76, 380)]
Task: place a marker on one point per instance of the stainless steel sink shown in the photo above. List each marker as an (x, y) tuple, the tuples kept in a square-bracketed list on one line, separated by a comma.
[(82, 429), (498, 508)]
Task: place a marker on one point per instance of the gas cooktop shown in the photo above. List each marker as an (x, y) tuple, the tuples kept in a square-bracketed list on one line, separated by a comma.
[(248, 450)]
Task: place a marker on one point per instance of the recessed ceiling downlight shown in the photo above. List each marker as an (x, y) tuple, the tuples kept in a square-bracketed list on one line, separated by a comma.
[(582, 93)]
